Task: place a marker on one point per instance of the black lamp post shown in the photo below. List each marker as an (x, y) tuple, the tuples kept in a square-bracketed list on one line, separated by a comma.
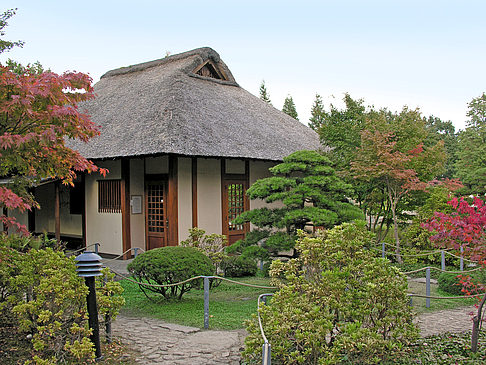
[(88, 265)]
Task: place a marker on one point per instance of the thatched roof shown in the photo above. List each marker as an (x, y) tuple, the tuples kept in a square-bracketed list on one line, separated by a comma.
[(163, 106)]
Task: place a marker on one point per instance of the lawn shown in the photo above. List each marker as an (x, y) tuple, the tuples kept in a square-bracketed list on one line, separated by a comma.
[(435, 304), (229, 304)]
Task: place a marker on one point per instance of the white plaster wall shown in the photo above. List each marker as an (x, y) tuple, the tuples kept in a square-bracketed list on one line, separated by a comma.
[(184, 199), (22, 218), (105, 228), (235, 166), (137, 221), (45, 215), (157, 165), (259, 170), (209, 215)]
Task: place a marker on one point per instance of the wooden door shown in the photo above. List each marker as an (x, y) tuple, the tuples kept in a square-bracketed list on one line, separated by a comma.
[(156, 220), (235, 202)]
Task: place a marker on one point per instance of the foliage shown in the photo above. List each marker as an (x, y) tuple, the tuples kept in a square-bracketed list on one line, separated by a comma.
[(239, 266), (39, 115), (212, 245), (342, 129), (170, 265), (289, 107), (54, 309), (471, 160), (264, 93), (47, 298), (465, 227), (309, 193), (108, 295), (336, 302), (439, 130), (7, 45), (455, 283), (317, 114)]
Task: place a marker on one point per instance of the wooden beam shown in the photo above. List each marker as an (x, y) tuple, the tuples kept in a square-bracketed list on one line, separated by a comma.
[(57, 210), (194, 192), (172, 209), (83, 209), (125, 207)]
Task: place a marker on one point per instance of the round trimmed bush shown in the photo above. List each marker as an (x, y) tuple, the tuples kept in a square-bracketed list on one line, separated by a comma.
[(170, 265), (239, 266), (450, 283)]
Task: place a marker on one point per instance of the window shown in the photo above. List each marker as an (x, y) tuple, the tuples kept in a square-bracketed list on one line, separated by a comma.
[(109, 196)]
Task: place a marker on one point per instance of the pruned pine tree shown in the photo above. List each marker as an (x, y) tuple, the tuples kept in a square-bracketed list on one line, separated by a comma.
[(264, 93), (289, 107), (308, 194)]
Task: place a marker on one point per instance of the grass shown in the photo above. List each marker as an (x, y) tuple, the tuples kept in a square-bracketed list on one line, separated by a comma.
[(435, 304), (229, 304)]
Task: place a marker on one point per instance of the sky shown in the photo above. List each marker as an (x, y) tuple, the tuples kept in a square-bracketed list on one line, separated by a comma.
[(422, 54)]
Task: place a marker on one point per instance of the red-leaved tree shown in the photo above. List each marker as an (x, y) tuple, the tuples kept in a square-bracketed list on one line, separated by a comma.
[(379, 160), (38, 113), (464, 228)]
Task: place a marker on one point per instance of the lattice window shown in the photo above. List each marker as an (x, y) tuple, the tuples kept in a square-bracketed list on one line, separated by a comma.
[(236, 204), (109, 196), (155, 208)]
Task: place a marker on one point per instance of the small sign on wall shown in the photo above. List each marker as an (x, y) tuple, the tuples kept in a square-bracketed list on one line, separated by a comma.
[(136, 204)]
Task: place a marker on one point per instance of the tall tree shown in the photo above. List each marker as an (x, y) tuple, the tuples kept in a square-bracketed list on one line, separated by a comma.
[(379, 159), (439, 130), (308, 193), (317, 114), (471, 155), (289, 107), (7, 45), (264, 93)]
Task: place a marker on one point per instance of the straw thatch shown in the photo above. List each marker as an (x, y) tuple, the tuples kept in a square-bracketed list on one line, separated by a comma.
[(162, 107)]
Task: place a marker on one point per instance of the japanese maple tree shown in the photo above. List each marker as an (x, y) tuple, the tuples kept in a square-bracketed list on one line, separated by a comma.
[(38, 114), (464, 228), (379, 160)]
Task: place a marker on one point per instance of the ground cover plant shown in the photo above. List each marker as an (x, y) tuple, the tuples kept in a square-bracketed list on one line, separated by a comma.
[(229, 304), (335, 302)]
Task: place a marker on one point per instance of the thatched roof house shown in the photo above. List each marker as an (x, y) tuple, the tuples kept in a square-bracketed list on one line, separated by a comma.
[(182, 141), (190, 105)]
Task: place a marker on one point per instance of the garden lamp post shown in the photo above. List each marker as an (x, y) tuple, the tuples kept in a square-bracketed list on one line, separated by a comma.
[(88, 265)]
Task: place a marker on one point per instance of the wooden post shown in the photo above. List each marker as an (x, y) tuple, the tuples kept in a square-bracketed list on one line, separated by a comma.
[(194, 192), (57, 211), (427, 287), (125, 207), (172, 203)]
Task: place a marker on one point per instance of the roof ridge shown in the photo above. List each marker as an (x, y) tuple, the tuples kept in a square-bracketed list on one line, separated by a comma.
[(204, 52)]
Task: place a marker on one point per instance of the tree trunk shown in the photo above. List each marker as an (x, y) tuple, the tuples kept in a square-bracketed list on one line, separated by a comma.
[(476, 324), (395, 231)]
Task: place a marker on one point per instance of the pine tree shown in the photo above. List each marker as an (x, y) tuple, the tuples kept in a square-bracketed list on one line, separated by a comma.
[(264, 93), (289, 107), (317, 114), (310, 194)]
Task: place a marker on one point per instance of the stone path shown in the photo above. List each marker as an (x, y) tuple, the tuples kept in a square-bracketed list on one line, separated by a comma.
[(451, 320), (164, 343)]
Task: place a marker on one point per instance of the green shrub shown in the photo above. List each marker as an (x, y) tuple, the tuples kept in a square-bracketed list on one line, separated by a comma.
[(336, 303), (239, 266), (170, 265), (48, 300), (212, 245), (54, 307), (451, 283)]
